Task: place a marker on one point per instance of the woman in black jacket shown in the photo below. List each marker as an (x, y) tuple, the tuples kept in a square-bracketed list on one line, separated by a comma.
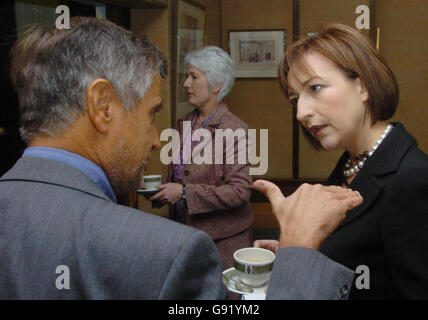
[(344, 93)]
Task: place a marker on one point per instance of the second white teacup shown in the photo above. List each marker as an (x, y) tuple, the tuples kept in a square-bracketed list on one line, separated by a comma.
[(150, 182), (254, 265)]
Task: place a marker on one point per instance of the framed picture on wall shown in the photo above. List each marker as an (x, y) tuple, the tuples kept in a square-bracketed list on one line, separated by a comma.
[(256, 53), (190, 30)]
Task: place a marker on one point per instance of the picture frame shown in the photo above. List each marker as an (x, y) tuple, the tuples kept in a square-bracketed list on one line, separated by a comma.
[(256, 53), (190, 31)]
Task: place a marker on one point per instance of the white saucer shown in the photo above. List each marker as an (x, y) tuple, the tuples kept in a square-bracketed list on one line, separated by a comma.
[(231, 273), (147, 190)]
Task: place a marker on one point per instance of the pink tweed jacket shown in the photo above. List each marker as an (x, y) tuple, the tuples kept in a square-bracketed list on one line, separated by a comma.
[(217, 195)]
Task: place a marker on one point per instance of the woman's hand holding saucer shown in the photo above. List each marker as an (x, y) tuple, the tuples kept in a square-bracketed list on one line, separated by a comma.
[(169, 193)]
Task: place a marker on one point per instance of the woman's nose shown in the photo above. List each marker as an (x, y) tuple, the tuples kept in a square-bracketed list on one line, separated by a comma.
[(187, 83), (304, 110)]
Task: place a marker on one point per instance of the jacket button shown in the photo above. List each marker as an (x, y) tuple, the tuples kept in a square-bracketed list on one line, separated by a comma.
[(186, 172), (344, 290)]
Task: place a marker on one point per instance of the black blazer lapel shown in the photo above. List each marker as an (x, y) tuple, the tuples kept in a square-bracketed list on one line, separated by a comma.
[(370, 188)]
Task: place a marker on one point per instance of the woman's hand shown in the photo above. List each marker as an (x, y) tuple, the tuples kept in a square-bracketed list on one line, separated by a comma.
[(272, 245), (169, 193)]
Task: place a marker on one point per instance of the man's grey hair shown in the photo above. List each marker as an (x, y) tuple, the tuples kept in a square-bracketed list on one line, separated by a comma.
[(51, 70), (216, 64)]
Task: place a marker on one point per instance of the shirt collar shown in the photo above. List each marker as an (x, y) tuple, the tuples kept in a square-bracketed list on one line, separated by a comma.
[(94, 172)]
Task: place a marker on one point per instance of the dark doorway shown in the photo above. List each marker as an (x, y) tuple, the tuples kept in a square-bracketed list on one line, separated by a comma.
[(11, 144)]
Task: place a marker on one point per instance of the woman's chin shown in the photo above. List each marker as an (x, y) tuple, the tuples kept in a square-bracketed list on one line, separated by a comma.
[(192, 103), (329, 145)]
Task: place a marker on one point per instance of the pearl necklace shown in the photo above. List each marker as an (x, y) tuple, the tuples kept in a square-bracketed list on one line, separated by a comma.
[(361, 159)]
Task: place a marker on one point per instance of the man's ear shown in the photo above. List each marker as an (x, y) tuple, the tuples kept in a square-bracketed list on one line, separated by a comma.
[(100, 96)]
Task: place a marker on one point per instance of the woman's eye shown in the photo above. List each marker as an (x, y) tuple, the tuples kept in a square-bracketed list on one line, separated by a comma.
[(316, 87)]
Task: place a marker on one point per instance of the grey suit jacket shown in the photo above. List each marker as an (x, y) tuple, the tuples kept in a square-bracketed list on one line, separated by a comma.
[(52, 215)]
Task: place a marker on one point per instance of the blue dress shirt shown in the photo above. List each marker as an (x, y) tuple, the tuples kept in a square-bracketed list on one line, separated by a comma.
[(94, 172)]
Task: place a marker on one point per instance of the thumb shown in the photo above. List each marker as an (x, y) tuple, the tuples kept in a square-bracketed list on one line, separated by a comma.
[(270, 190)]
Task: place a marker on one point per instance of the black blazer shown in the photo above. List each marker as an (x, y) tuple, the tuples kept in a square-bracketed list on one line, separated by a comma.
[(388, 233)]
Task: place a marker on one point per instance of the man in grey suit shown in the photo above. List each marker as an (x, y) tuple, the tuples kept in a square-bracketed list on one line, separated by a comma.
[(88, 97)]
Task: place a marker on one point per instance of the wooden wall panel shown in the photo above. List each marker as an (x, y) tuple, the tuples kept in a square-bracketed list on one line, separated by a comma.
[(404, 45), (263, 216), (213, 21), (260, 102)]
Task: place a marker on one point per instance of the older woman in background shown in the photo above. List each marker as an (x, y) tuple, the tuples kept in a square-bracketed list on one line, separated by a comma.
[(213, 197)]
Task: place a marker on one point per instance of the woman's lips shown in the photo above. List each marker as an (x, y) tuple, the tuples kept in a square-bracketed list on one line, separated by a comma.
[(317, 130)]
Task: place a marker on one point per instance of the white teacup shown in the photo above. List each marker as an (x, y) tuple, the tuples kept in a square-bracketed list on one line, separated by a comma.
[(253, 265), (150, 182)]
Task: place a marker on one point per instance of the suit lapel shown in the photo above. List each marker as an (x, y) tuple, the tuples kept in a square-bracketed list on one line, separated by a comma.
[(368, 182)]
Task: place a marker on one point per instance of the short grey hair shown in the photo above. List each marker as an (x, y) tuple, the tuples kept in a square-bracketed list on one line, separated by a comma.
[(217, 66), (51, 70)]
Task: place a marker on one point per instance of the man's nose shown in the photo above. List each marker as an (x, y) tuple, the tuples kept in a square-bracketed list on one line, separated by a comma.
[(156, 145)]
